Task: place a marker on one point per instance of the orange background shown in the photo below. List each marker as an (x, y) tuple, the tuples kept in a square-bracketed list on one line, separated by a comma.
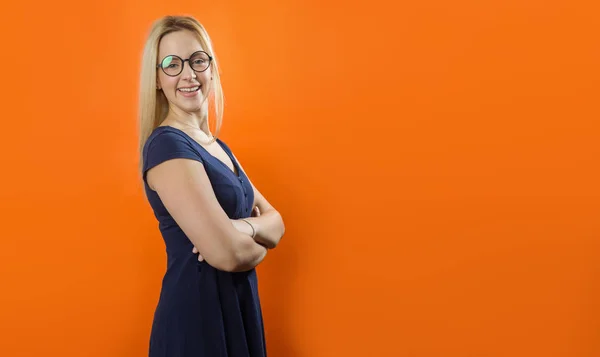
[(436, 164)]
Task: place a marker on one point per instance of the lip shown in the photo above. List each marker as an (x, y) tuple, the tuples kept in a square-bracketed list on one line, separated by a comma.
[(189, 94)]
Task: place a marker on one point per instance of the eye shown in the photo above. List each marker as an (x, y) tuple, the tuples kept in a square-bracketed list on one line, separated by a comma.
[(170, 62)]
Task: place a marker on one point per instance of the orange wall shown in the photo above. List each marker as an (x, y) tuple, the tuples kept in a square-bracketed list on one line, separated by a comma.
[(436, 163)]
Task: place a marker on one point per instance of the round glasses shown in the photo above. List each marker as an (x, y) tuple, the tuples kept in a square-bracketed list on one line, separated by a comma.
[(173, 65)]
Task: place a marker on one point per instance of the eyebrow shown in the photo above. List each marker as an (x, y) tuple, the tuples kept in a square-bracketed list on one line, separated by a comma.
[(175, 54)]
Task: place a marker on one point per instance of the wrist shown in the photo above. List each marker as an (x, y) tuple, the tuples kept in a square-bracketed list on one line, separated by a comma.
[(251, 226)]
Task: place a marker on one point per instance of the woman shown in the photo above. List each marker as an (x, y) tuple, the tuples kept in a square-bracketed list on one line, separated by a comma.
[(203, 201)]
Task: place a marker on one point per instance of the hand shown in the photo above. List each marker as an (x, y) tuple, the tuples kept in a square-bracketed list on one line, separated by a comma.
[(200, 257), (255, 213)]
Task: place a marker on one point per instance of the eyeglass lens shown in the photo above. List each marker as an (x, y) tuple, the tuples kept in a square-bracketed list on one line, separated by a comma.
[(173, 65)]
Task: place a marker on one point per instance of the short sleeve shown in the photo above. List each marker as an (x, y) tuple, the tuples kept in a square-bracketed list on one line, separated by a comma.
[(165, 146)]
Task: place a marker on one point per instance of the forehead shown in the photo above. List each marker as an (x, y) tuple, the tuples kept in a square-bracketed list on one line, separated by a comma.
[(181, 43)]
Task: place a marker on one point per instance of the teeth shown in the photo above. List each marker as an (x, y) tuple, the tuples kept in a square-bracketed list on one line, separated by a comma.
[(193, 89)]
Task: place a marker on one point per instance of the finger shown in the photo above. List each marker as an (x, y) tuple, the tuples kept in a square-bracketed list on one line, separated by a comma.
[(200, 258), (194, 250)]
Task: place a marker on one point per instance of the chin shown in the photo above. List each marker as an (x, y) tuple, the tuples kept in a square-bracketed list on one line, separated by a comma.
[(191, 107)]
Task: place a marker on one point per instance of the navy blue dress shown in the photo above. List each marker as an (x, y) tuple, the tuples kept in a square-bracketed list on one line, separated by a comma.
[(202, 311)]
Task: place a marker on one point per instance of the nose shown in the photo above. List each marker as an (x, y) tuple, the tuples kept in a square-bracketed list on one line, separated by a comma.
[(187, 71)]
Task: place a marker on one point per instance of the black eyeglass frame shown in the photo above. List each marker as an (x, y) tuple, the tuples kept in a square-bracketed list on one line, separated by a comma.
[(210, 59)]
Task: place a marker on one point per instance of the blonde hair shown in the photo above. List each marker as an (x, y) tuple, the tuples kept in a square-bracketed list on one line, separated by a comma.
[(153, 105)]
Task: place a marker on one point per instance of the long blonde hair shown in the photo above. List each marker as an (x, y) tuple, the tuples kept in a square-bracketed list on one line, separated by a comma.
[(153, 105)]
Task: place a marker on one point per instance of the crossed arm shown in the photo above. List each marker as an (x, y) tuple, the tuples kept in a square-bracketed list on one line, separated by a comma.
[(185, 190), (267, 222)]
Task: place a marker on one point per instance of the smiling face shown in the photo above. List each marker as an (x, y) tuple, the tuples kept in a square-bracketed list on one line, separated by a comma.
[(188, 90)]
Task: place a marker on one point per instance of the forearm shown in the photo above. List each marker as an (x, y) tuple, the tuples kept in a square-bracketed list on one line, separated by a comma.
[(247, 253), (269, 228)]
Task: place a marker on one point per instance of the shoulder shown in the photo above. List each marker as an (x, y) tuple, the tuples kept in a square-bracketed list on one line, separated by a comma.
[(166, 143), (165, 137)]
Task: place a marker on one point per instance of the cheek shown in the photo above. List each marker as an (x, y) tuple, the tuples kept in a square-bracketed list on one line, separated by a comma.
[(204, 76), (168, 83), (206, 79)]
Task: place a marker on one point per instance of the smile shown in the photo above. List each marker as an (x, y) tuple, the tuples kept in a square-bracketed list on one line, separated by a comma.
[(191, 89)]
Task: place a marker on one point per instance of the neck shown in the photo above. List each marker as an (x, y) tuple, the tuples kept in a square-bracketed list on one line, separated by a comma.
[(194, 121)]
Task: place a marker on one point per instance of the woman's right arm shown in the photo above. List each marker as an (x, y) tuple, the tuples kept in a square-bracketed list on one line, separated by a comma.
[(185, 190)]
